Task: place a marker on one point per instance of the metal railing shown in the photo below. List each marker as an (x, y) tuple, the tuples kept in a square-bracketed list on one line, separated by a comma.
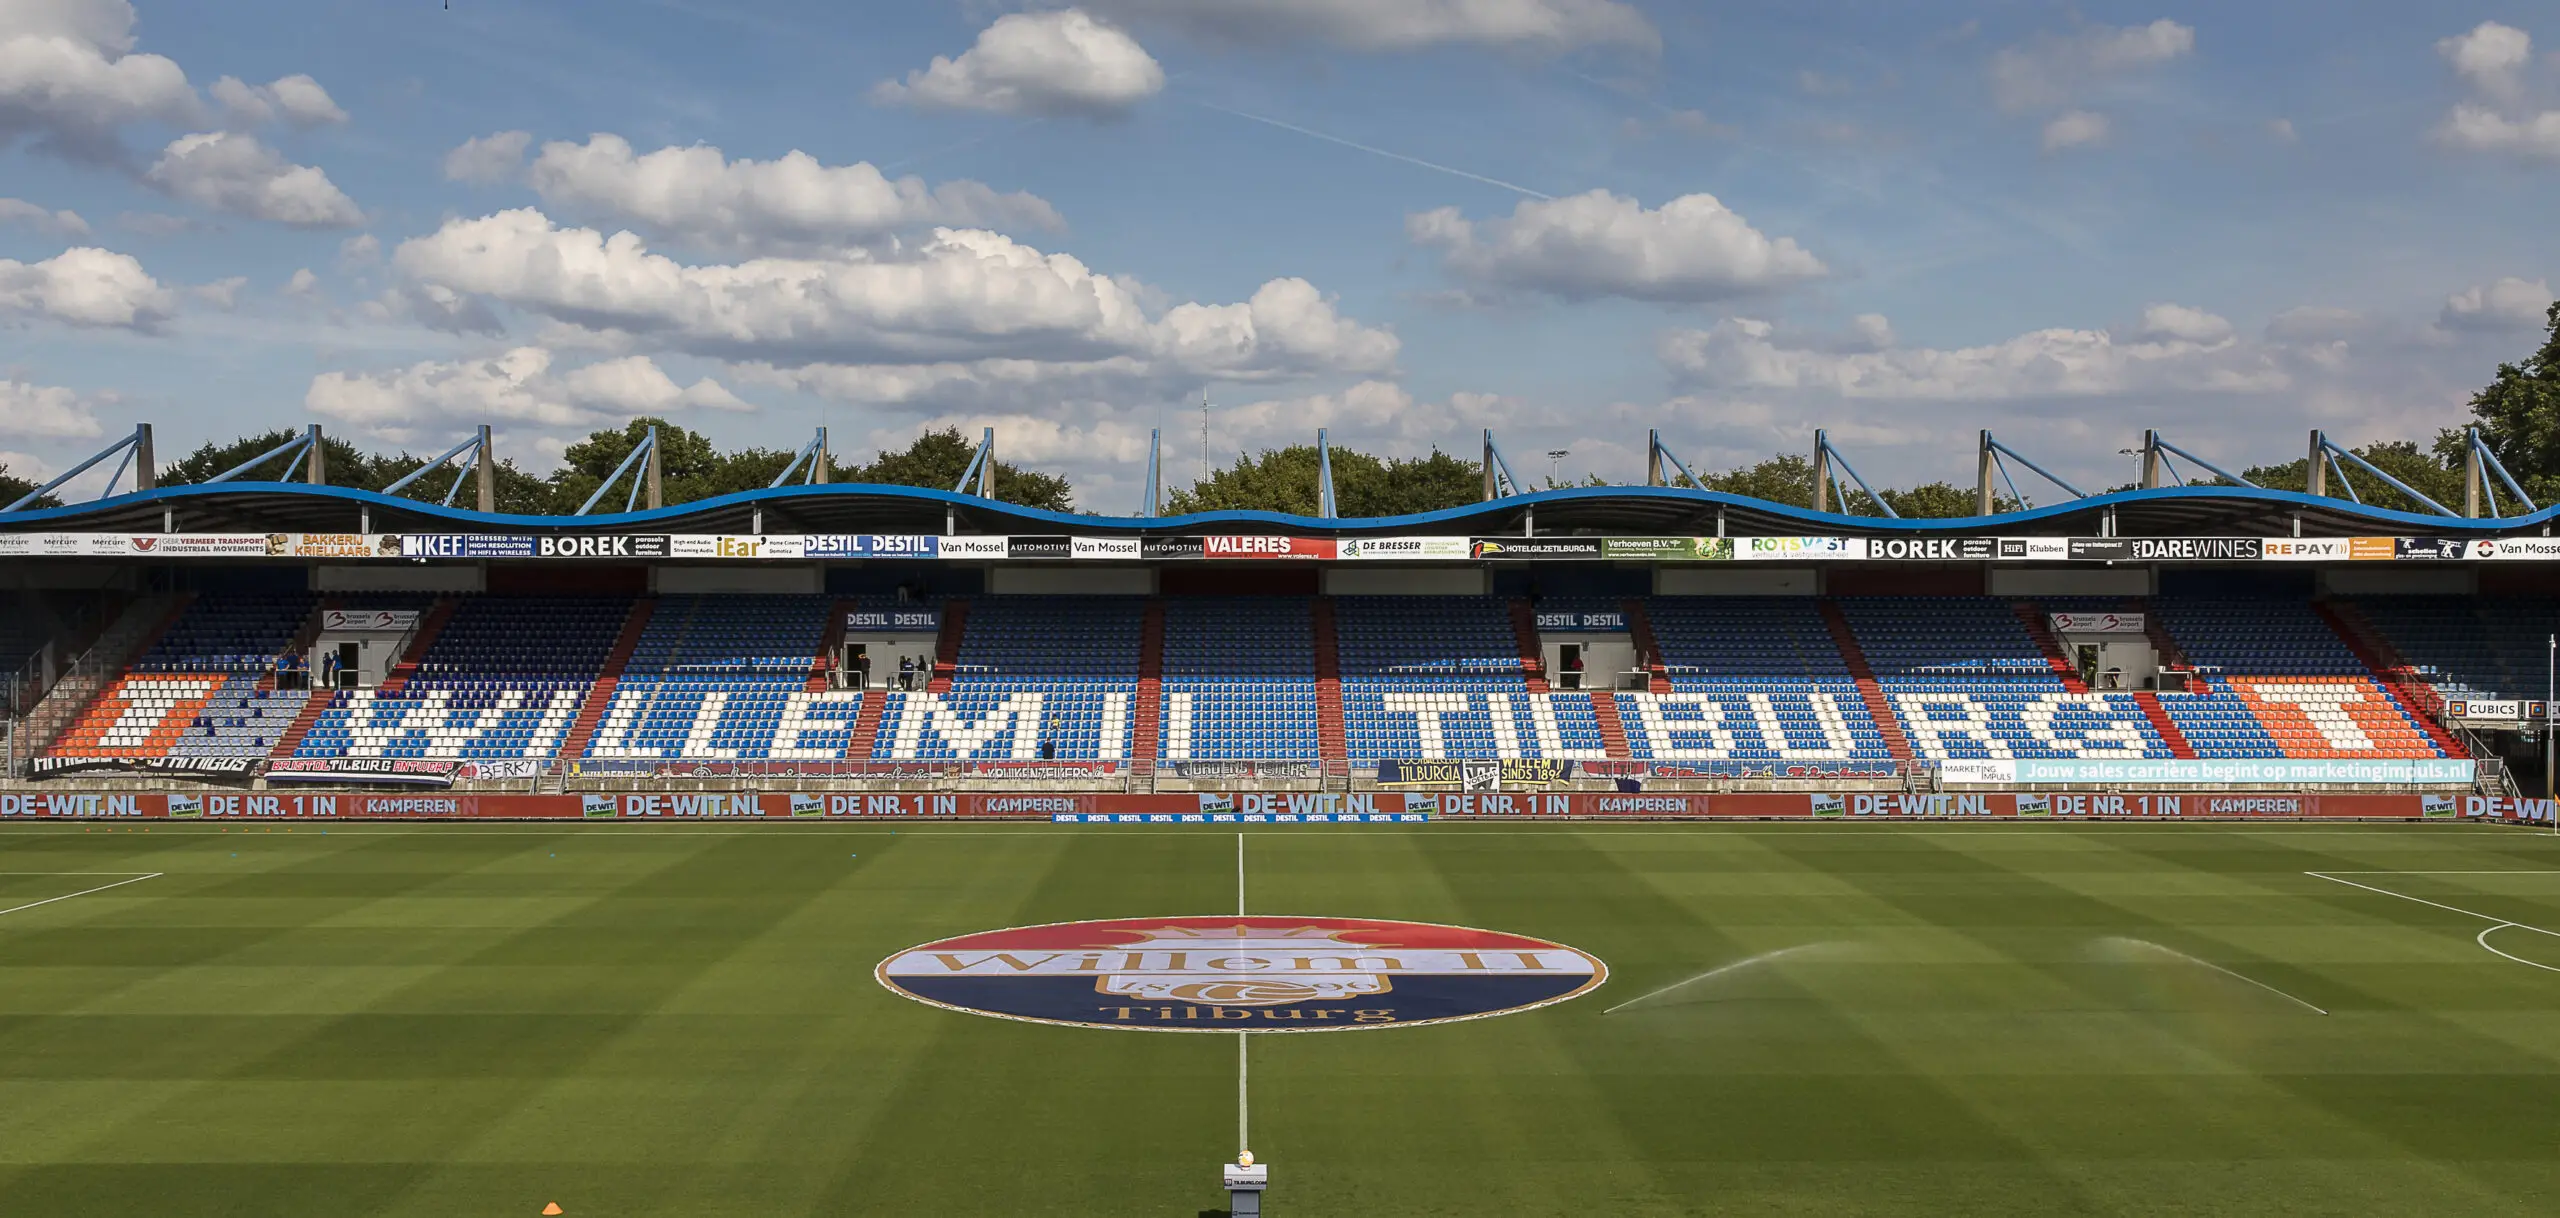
[(80, 684)]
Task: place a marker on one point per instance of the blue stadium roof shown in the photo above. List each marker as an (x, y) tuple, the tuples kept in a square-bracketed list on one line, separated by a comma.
[(2188, 511)]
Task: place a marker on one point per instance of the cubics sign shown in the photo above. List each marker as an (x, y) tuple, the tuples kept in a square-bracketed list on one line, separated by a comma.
[(1249, 974)]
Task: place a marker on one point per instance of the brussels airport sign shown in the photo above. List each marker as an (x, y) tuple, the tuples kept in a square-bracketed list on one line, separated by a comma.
[(1265, 547)]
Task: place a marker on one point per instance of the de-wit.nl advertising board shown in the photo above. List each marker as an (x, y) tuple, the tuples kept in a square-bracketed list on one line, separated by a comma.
[(1261, 806)]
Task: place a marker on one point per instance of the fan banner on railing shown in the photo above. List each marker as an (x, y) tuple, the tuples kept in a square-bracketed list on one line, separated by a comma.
[(405, 771)]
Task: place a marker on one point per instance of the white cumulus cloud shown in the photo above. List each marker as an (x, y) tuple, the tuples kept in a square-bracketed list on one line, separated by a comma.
[(45, 412), (2053, 70), (956, 295), (1400, 25), (2172, 346), (520, 385), (1061, 62), (699, 196), (231, 172), (297, 99), (2074, 128), (2506, 304), (64, 223), (85, 286), (70, 80), (2475, 128), (2489, 57), (1692, 248), (487, 158)]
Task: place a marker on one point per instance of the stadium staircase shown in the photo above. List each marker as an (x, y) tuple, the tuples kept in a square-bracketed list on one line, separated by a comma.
[(68, 708), (1648, 650), (2163, 724), (1524, 630), (1888, 724), (1146, 733), (2392, 671), (2040, 628), (1332, 745), (866, 725), (591, 712), (319, 700), (946, 645), (433, 624), (830, 646)]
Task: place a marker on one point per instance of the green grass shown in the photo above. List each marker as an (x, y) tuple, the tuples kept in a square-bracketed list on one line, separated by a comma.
[(476, 1020)]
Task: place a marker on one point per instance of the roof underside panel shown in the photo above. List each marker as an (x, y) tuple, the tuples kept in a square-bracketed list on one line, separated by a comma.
[(254, 507)]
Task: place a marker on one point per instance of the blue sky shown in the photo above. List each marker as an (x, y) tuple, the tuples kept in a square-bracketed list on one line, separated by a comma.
[(1406, 220)]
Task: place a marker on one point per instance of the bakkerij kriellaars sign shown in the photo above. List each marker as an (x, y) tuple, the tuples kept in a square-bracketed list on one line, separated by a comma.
[(1224, 973)]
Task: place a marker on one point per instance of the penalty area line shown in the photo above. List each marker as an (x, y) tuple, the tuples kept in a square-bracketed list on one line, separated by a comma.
[(2497, 923), (136, 879)]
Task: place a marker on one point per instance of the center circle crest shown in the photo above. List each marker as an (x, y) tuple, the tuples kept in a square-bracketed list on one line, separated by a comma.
[(1224, 973)]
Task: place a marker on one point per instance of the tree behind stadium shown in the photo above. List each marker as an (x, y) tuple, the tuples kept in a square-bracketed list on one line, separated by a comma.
[(1284, 480)]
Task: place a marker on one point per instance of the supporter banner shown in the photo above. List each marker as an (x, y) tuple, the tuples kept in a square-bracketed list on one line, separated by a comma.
[(910, 621), (2303, 549), (1039, 547), (1264, 545), (1606, 622), (499, 769), (1402, 549), (195, 767), (1106, 547), (2097, 623), (974, 547), (1534, 547), (1668, 549), (2432, 771), (1670, 770), (1242, 771), (1934, 549), (1761, 549), (1473, 774), (407, 771), (380, 621)]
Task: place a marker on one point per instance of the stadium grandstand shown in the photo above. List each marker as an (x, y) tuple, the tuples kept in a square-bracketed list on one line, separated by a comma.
[(1531, 641)]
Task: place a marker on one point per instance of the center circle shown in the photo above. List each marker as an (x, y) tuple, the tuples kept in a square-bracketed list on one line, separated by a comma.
[(1224, 973)]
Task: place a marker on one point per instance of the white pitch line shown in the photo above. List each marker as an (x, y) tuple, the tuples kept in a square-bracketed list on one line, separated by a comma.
[(2483, 938), (85, 891)]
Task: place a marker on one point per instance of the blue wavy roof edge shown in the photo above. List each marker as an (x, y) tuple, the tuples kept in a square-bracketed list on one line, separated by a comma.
[(1819, 523)]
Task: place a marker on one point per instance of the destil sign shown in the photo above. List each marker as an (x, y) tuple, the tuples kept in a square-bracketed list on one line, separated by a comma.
[(1264, 545)]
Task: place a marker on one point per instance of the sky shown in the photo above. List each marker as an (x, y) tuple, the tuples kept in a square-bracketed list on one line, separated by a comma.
[(1405, 221)]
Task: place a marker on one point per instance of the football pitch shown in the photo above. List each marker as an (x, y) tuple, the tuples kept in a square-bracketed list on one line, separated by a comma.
[(1828, 1019)]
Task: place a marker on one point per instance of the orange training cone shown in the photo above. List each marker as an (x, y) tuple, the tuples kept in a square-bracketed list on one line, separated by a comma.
[(552, 1208)]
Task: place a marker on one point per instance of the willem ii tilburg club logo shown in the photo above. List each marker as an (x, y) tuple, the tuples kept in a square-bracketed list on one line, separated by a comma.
[(1223, 973)]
